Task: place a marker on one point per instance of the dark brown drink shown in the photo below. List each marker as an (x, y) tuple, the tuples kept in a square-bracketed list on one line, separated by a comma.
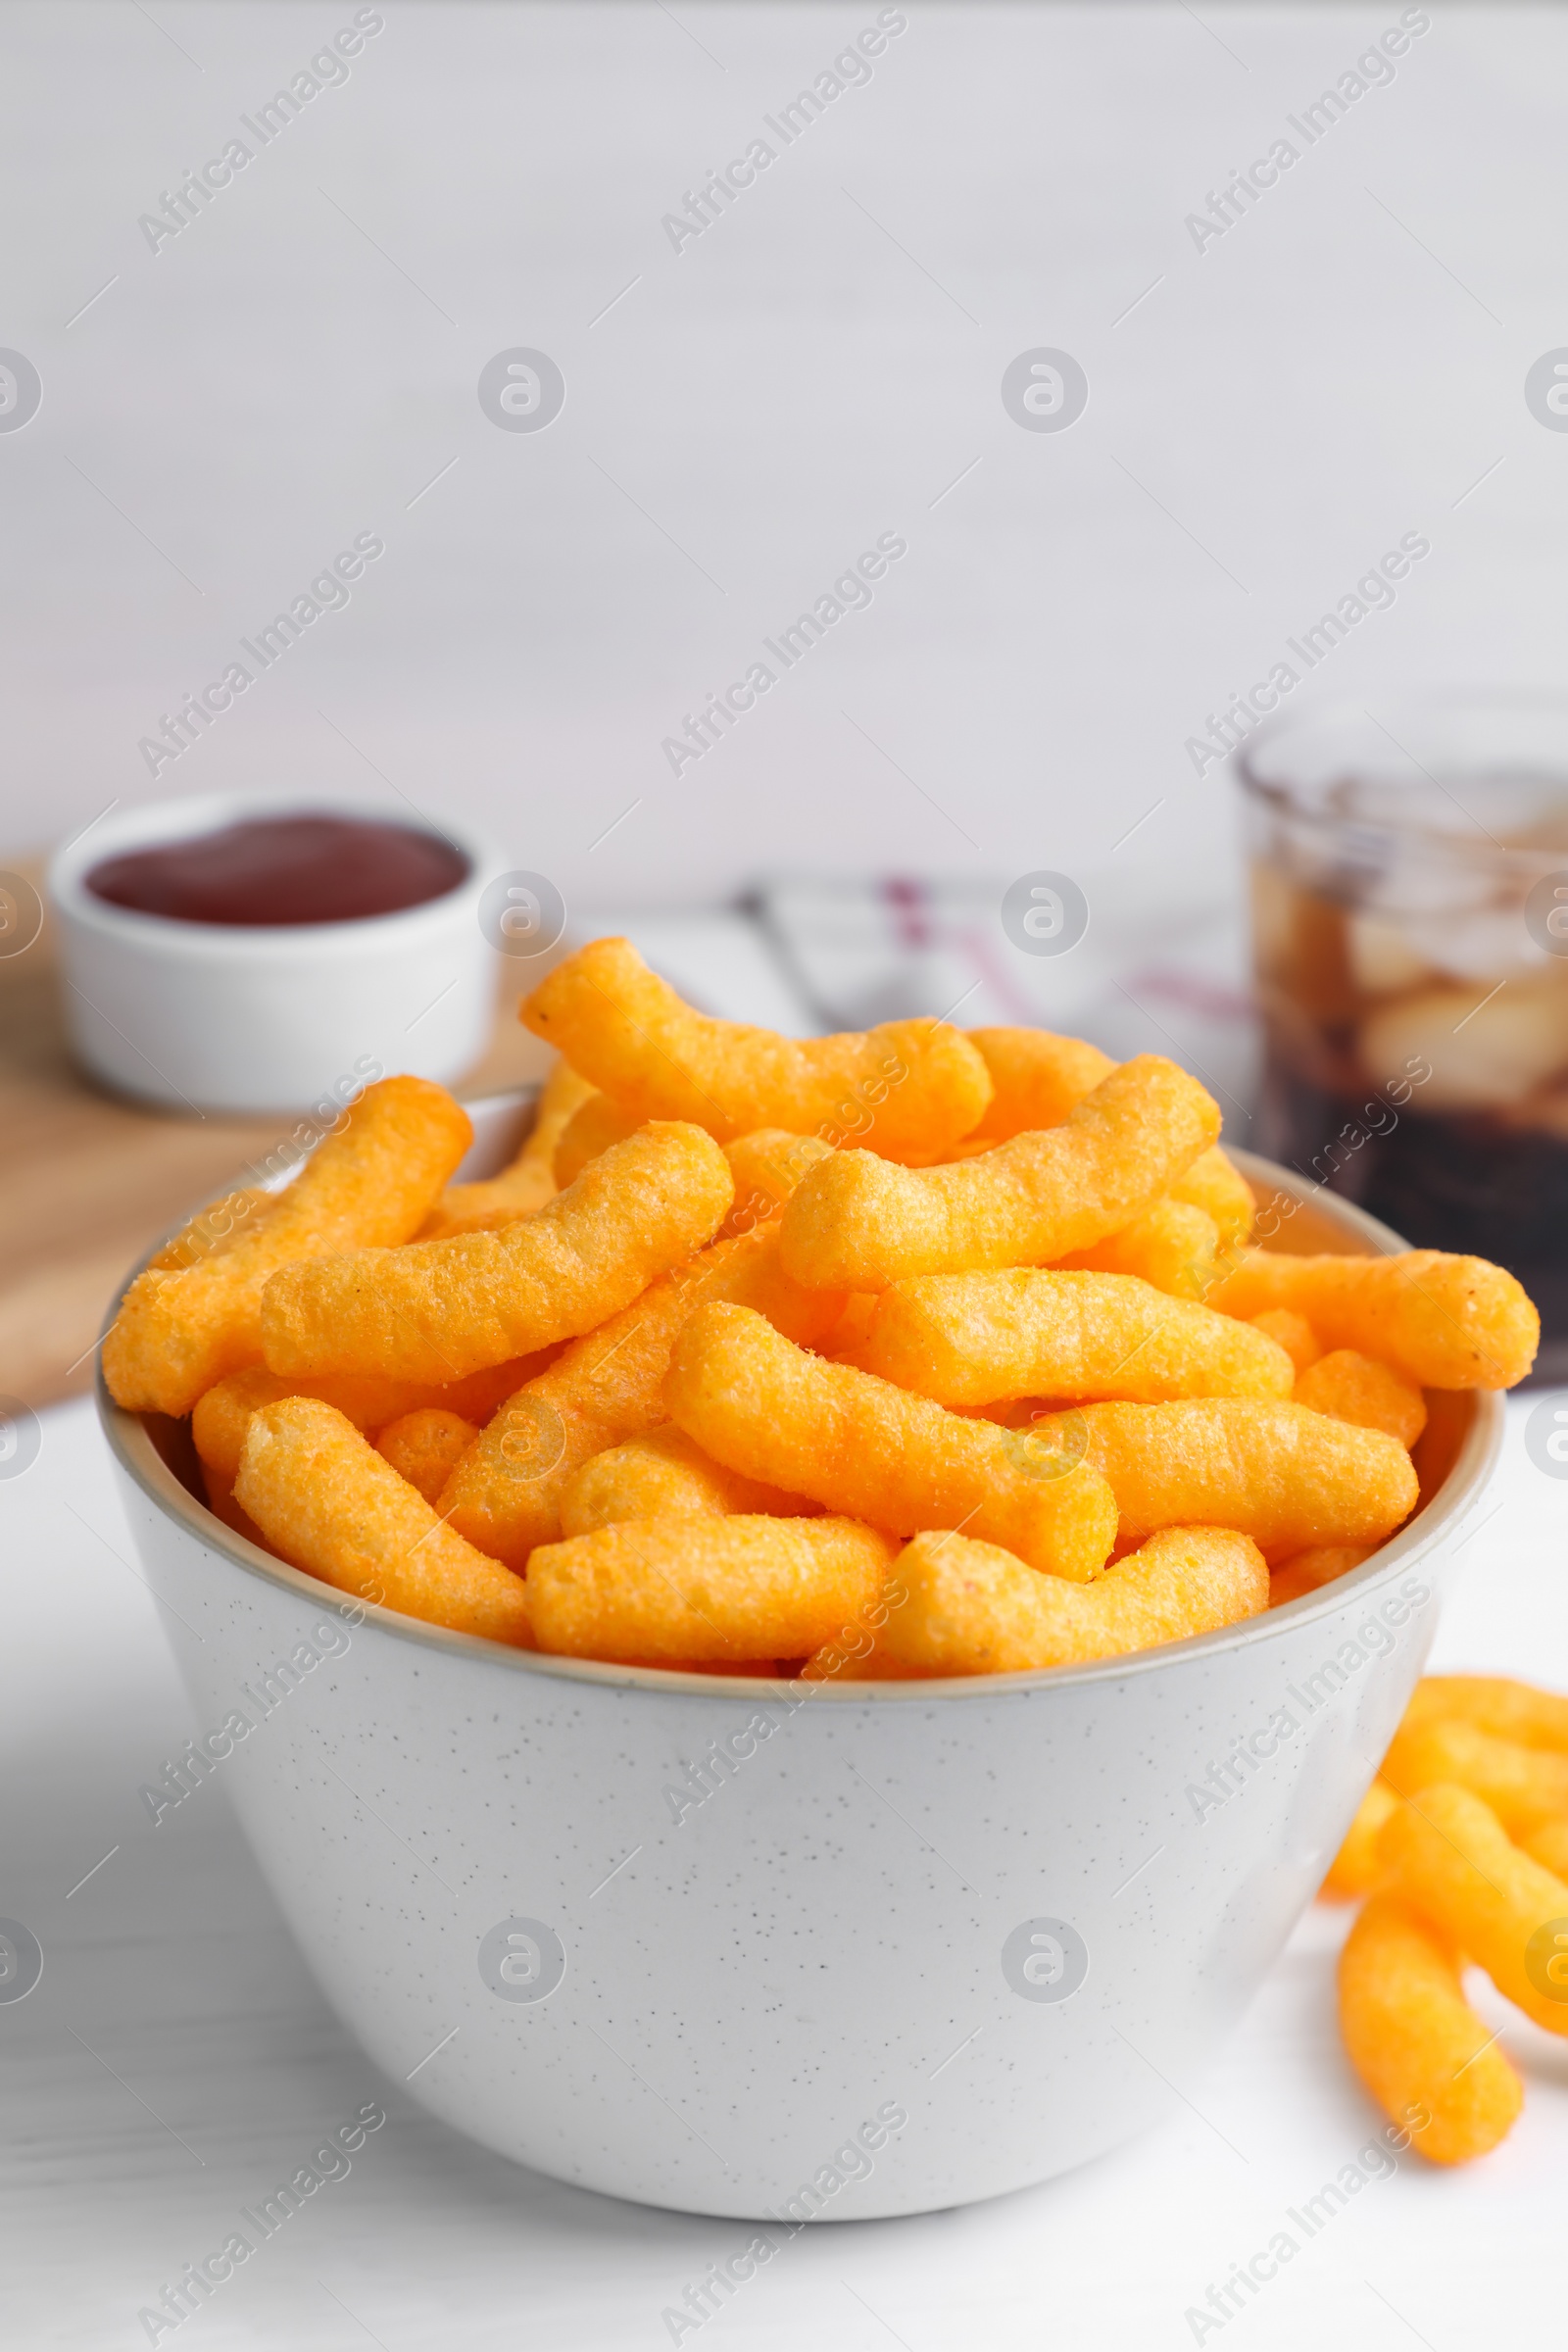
[(1410, 920)]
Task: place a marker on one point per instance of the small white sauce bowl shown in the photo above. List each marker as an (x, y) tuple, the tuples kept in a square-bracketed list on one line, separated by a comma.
[(912, 1944), (235, 1018)]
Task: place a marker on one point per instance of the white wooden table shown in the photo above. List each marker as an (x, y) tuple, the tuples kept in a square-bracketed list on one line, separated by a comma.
[(175, 2061)]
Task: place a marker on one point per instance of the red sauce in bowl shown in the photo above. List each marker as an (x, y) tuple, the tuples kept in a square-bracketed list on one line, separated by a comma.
[(272, 871)]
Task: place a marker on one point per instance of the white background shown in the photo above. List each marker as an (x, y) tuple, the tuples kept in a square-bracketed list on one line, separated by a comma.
[(818, 368)]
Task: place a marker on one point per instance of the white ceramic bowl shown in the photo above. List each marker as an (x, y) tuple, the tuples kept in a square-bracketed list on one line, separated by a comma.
[(224, 1016), (918, 1944)]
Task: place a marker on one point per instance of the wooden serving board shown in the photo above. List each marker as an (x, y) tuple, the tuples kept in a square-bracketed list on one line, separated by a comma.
[(88, 1179)]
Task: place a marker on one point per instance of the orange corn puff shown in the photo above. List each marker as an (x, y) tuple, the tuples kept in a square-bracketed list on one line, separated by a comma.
[(854, 1658), (704, 1588), (1525, 1787), (220, 1493), (760, 1670), (326, 1502), (1216, 1185), (1350, 1387), (860, 1445), (438, 1310), (977, 1339), (1447, 1853), (505, 1495), (368, 1184), (658, 1474), (595, 1124), (767, 1168), (1414, 2039), (909, 1086), (1353, 1870), (974, 1608), (1172, 1246), (530, 1179), (857, 1223), (852, 1326), (1310, 1570), (218, 1424), (1036, 1079), (1444, 1322), (426, 1447), (1493, 1703), (1294, 1333), (1285, 1475), (1549, 1845)]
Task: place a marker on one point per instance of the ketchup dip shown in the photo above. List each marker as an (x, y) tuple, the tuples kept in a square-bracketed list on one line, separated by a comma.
[(269, 871)]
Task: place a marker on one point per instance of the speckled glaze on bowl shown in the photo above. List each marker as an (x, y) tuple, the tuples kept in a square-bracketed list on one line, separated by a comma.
[(918, 1945)]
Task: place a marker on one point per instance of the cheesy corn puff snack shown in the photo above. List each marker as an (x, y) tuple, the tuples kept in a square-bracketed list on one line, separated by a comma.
[(1447, 1853), (1525, 1787), (767, 1166), (426, 1447), (908, 1087), (978, 1338), (369, 1184), (1444, 1322), (694, 1589), (328, 1503), (1310, 1570), (1294, 1333), (530, 1179), (1036, 1079), (218, 1423), (860, 1445), (1493, 1703), (1414, 2039), (1216, 1185), (1350, 1387), (1353, 1870), (1549, 1845), (834, 1662), (660, 1475), (974, 1608), (505, 1492), (438, 1310), (1285, 1475), (1172, 1246), (221, 1502), (856, 1223), (597, 1122)]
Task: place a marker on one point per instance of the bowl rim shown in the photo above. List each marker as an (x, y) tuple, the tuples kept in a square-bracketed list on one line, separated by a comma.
[(130, 1442)]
